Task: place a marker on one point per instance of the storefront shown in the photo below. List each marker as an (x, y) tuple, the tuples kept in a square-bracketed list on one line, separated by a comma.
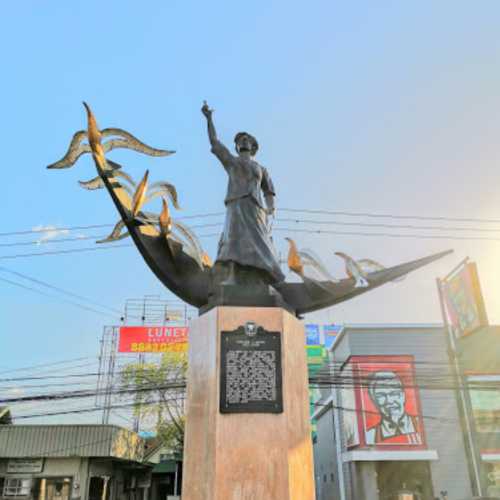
[(396, 433), (478, 356), (166, 479), (65, 462)]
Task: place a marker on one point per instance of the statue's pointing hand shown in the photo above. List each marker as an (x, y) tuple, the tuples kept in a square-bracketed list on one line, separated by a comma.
[(206, 110)]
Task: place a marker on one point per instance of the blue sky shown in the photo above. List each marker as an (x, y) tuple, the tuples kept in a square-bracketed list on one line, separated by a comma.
[(385, 107)]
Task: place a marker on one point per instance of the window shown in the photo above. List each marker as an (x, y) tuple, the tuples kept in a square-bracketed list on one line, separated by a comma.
[(16, 487), (485, 403)]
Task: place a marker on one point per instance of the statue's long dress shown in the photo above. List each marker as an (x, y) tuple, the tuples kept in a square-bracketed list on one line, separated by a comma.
[(246, 239)]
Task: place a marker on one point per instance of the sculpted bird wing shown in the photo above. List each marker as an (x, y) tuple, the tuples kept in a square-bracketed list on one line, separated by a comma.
[(95, 183), (165, 220), (311, 260), (162, 188), (128, 141), (194, 247), (124, 175), (372, 266), (116, 233), (206, 260), (75, 150), (140, 194), (351, 264), (294, 261)]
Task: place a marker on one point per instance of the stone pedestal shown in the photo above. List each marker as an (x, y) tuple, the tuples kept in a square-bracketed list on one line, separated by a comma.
[(246, 456)]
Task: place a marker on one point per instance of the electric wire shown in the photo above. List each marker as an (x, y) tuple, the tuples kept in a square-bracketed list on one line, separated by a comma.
[(391, 216), (43, 365), (96, 226), (421, 383), (387, 226), (59, 289), (75, 304), (60, 252), (386, 235)]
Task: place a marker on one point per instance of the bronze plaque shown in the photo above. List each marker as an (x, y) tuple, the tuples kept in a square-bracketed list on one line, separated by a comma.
[(250, 376)]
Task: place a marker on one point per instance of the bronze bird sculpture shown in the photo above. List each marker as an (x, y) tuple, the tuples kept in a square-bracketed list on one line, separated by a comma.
[(172, 250)]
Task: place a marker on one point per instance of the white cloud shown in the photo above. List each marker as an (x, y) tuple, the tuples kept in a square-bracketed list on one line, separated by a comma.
[(16, 392), (48, 232)]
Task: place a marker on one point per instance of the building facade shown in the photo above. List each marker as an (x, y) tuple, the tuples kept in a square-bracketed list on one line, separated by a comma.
[(166, 476), (478, 360), (389, 424), (72, 462)]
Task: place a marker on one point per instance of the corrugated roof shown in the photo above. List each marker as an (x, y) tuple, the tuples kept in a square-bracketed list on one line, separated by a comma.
[(22, 441)]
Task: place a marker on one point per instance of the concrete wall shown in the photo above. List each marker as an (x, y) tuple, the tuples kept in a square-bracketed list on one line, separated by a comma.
[(325, 470)]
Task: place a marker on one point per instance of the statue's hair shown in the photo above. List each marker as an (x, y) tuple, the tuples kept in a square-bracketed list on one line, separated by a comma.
[(383, 378), (255, 144)]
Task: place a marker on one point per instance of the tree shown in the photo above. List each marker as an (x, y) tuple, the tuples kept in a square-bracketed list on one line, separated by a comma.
[(159, 394)]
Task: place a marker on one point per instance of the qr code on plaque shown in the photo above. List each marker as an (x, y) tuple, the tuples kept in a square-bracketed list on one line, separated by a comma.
[(250, 376)]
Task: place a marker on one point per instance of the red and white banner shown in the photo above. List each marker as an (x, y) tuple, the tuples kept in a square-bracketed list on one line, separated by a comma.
[(384, 411), (153, 339)]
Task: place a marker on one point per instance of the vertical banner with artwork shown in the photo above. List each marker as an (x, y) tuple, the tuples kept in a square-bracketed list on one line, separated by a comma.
[(387, 402), (312, 335), (464, 301), (330, 333)]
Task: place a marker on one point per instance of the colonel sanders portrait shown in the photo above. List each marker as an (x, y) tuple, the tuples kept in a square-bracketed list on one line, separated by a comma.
[(396, 425)]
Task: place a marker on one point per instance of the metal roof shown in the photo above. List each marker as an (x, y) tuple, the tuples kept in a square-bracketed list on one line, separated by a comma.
[(23, 441)]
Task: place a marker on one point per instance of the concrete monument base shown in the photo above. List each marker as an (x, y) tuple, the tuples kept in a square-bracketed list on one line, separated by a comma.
[(246, 456)]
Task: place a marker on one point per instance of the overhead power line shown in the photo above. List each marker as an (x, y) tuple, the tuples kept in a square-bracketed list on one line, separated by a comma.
[(392, 216), (388, 226), (53, 241), (59, 252), (95, 226), (44, 365), (75, 304), (284, 220), (433, 381), (385, 235), (60, 290)]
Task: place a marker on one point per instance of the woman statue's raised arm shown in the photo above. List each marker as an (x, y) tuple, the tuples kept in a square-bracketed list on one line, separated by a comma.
[(218, 149)]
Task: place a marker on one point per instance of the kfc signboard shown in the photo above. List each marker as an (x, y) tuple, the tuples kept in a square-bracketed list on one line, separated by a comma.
[(153, 339), (387, 405)]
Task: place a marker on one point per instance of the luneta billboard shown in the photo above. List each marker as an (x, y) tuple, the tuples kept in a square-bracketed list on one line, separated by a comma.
[(385, 410), (155, 339)]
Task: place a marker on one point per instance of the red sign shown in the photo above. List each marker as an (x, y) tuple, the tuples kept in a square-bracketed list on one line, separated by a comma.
[(387, 405), (153, 338)]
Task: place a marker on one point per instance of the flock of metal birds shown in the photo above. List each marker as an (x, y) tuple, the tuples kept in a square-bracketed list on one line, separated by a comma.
[(304, 263)]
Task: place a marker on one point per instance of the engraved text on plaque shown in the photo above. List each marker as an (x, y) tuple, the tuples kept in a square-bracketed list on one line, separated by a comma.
[(250, 380)]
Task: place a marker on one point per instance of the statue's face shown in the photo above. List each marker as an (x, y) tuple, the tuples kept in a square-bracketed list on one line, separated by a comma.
[(244, 144)]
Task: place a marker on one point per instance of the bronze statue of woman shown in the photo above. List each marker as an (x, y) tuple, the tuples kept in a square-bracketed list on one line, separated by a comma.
[(246, 252)]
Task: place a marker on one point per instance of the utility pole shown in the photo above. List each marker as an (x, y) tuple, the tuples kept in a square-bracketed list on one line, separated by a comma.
[(459, 382)]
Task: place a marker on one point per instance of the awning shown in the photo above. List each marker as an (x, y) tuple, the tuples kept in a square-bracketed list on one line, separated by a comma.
[(378, 456), (163, 467)]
